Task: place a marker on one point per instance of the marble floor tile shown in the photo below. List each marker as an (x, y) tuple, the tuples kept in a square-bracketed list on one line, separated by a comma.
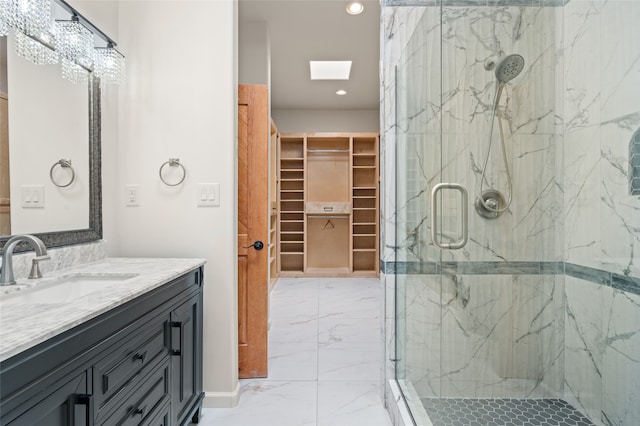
[(325, 353), (298, 304), (293, 361), (299, 329), (295, 289), (340, 361), (349, 298), (268, 403), (348, 330), (351, 404)]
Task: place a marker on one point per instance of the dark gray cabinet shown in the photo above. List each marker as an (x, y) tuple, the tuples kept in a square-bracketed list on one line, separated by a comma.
[(138, 364), (65, 405), (186, 359)]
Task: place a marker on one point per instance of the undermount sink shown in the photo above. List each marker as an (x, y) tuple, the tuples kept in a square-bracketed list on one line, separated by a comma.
[(67, 288)]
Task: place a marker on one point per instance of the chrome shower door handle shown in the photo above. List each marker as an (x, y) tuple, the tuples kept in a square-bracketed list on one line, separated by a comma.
[(464, 217)]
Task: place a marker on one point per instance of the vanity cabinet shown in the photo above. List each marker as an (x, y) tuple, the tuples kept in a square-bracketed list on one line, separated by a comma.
[(65, 405), (137, 364), (186, 359)]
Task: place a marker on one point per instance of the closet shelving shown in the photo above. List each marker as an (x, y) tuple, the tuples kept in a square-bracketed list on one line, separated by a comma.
[(365, 205), (328, 198), (291, 199), (273, 211), (328, 205)]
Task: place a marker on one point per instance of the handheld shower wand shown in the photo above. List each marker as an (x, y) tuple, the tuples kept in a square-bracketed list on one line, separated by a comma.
[(491, 204)]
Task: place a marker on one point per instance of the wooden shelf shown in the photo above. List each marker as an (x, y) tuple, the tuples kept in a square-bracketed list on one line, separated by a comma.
[(328, 201), (365, 258), (291, 177)]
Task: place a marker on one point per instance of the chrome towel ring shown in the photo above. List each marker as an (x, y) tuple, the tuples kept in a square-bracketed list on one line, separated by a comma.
[(173, 162), (65, 164)]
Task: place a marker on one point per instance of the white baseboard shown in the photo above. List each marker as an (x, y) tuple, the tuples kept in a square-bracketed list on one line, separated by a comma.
[(222, 399)]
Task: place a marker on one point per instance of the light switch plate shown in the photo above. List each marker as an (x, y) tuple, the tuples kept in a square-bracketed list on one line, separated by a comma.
[(32, 196), (208, 194)]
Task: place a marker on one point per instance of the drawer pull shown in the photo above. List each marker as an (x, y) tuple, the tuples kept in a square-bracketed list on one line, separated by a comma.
[(178, 325), (87, 401), (140, 411), (328, 209), (140, 356)]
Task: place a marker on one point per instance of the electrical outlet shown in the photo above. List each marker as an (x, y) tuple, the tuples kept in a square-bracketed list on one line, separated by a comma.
[(208, 194), (132, 194)]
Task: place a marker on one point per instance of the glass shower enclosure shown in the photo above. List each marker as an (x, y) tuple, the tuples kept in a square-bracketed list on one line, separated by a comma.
[(517, 231)]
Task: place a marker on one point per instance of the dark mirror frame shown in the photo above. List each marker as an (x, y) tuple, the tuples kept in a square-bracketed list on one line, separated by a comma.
[(94, 231)]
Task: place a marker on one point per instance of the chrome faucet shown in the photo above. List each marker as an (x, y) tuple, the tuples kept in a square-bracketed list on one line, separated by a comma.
[(6, 275)]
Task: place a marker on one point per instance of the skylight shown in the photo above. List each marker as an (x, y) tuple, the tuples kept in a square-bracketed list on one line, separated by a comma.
[(330, 70)]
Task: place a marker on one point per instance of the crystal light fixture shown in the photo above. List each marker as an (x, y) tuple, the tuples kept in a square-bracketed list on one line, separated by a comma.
[(4, 17), (109, 65), (70, 40), (28, 16), (74, 72), (33, 50), (75, 42)]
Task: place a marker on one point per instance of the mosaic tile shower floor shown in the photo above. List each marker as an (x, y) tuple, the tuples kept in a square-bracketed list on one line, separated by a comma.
[(503, 412)]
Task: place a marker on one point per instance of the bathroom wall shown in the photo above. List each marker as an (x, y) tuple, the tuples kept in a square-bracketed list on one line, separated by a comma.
[(307, 120), (3, 65), (254, 53), (36, 93), (104, 14), (180, 101), (602, 231)]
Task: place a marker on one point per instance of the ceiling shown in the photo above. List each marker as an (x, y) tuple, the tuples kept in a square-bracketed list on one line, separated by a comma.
[(304, 30)]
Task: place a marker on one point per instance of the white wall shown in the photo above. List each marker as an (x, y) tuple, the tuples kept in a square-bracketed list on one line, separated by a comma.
[(48, 116), (104, 14), (254, 53), (180, 100), (3, 64), (327, 121)]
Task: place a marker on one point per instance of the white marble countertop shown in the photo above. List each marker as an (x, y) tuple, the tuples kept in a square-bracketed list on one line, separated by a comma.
[(24, 324)]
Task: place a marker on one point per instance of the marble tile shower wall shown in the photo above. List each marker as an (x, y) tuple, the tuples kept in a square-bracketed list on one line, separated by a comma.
[(602, 343), (482, 336), (486, 349), (602, 220), (572, 113), (397, 27), (602, 112), (397, 24), (445, 119)]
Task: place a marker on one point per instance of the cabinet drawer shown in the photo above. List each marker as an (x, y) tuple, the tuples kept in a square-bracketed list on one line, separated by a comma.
[(124, 368), (150, 400), (328, 208), (159, 417)]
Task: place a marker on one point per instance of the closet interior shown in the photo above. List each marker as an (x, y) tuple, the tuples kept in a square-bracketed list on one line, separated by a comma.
[(327, 204)]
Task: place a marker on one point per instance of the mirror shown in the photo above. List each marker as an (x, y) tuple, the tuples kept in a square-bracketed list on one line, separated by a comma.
[(49, 119)]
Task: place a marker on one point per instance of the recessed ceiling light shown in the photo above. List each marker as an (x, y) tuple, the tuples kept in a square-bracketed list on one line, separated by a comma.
[(341, 92), (330, 70), (355, 8)]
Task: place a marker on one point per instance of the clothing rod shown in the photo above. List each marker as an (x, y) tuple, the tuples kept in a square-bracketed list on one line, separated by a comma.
[(326, 216), (327, 150)]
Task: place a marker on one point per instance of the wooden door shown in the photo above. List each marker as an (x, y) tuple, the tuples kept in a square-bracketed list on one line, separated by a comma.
[(253, 229)]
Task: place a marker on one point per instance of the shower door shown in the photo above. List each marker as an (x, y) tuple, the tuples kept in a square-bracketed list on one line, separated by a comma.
[(476, 316)]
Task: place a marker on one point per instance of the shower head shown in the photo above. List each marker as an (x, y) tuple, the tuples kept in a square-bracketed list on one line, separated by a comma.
[(509, 68)]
